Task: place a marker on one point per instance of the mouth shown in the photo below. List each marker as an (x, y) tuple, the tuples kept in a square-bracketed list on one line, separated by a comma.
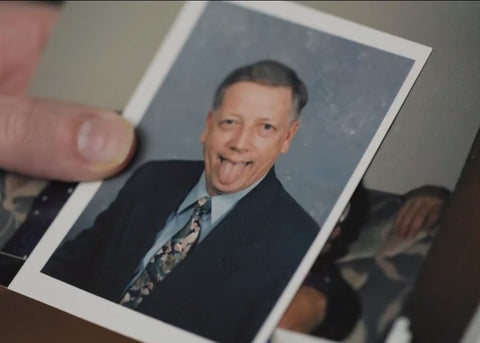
[(234, 162), (231, 170)]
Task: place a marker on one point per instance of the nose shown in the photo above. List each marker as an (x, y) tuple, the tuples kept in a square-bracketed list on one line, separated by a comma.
[(241, 140)]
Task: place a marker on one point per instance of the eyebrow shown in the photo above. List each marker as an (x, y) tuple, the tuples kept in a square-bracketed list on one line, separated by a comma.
[(268, 119), (231, 114)]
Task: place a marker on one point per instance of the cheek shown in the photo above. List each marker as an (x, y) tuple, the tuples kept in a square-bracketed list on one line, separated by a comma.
[(271, 150), (218, 140)]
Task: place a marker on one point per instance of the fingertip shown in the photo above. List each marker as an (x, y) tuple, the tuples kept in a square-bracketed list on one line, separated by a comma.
[(106, 142), (62, 141)]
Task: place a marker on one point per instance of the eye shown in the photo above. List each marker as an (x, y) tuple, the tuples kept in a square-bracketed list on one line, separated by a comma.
[(266, 130), (267, 127), (227, 123)]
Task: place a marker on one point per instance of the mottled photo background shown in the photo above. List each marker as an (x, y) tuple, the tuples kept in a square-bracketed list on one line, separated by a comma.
[(351, 87)]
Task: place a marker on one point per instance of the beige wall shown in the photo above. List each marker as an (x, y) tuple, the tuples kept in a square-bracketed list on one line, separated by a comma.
[(101, 49)]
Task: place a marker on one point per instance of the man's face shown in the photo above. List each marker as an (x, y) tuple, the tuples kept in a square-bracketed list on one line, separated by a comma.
[(244, 136)]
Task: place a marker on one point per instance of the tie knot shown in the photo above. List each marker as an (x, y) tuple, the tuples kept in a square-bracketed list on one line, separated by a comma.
[(204, 205)]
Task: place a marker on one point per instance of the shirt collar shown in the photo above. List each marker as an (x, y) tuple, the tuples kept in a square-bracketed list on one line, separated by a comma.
[(221, 204)]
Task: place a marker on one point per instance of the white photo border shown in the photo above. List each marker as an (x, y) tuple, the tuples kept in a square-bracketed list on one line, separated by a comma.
[(31, 282)]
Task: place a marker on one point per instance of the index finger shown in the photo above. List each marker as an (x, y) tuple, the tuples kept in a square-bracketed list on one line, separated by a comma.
[(62, 141)]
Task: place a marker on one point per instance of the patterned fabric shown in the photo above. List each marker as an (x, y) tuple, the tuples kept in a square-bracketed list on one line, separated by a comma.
[(43, 210), (382, 268), (16, 196), (168, 256)]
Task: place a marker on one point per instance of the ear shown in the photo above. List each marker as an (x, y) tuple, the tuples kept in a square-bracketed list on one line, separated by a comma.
[(208, 121), (289, 136)]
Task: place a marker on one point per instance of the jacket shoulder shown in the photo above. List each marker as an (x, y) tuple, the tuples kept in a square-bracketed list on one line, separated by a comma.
[(294, 217), (167, 168), (157, 173)]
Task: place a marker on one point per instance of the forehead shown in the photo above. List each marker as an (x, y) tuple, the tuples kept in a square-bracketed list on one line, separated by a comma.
[(253, 96)]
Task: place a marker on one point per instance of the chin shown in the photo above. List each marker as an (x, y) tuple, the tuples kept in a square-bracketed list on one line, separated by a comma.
[(226, 189)]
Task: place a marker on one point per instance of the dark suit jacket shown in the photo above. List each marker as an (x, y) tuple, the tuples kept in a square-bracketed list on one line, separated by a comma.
[(226, 286)]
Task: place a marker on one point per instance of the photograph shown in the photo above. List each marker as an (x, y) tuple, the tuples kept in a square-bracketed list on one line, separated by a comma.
[(366, 271), (255, 126)]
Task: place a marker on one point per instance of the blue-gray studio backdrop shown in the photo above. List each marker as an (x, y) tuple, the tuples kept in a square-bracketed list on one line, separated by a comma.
[(351, 87)]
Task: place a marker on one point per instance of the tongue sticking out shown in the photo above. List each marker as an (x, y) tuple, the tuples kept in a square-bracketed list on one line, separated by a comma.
[(229, 171)]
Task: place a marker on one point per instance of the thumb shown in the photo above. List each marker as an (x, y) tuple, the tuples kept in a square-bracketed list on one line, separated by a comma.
[(62, 141)]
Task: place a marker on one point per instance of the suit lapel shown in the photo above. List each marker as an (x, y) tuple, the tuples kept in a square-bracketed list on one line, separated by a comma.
[(148, 215), (165, 197)]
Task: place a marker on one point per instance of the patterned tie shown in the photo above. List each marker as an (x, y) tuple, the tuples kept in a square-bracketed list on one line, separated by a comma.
[(167, 257)]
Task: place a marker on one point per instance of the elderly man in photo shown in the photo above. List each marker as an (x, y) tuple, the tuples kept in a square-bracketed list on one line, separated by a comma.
[(207, 246)]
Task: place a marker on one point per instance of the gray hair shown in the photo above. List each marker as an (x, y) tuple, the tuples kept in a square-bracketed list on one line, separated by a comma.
[(270, 73)]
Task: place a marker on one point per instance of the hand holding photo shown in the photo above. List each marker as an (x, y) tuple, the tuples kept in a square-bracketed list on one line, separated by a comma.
[(233, 194)]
